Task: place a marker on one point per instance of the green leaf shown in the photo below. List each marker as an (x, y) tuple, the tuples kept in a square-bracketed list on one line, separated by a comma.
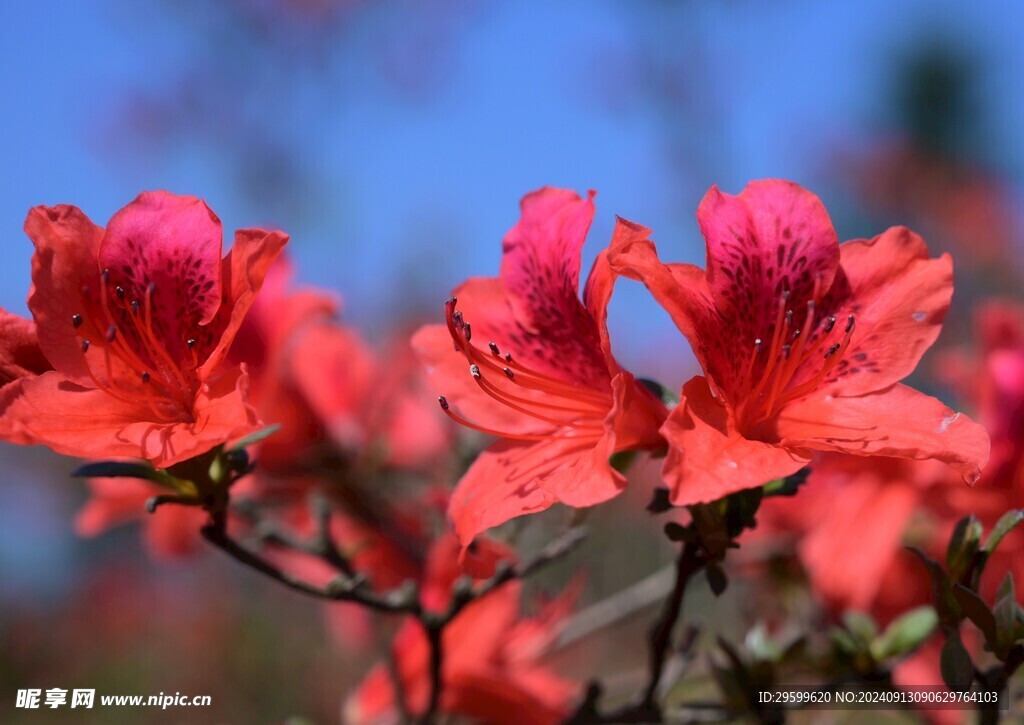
[(125, 469), (945, 603), (977, 611), (955, 664), (1005, 613), (716, 578), (844, 641), (860, 625), (622, 460), (905, 634), (665, 395), (254, 438), (1005, 525), (788, 486), (963, 544)]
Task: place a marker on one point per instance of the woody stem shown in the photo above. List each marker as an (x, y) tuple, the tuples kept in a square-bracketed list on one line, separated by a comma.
[(687, 565)]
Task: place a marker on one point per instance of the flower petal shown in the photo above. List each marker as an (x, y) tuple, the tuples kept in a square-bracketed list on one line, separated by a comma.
[(88, 423), (540, 272), (708, 459), (502, 484), (174, 243), (899, 298), (897, 421), (862, 528), (65, 261), (20, 354), (773, 236), (681, 289), (242, 273)]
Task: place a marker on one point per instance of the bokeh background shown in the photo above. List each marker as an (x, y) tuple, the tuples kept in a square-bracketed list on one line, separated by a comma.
[(393, 141)]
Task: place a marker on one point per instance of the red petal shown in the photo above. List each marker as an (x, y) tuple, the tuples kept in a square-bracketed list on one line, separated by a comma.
[(681, 289), (336, 372), (898, 421), (899, 297), (773, 236), (494, 490), (20, 354), (708, 459), (67, 247), (243, 271), (88, 423), (863, 528), (540, 274)]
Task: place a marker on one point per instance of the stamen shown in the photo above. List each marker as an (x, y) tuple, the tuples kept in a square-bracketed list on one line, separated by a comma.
[(500, 434), (509, 373), (120, 292), (85, 346), (474, 370), (76, 321), (494, 349), (830, 324)]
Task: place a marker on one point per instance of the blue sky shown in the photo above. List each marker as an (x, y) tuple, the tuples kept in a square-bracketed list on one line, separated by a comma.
[(421, 185)]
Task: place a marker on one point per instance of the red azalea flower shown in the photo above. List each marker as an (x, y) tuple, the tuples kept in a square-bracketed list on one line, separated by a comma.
[(136, 321), (802, 342), (266, 344), (491, 669), (992, 378), (536, 370), (171, 531), (371, 404)]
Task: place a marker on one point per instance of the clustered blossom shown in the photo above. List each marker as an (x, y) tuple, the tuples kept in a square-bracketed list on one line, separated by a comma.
[(147, 343), (135, 321), (532, 365)]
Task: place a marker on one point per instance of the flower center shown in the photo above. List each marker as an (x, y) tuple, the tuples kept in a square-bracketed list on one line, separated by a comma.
[(796, 361), (136, 366), (570, 410)]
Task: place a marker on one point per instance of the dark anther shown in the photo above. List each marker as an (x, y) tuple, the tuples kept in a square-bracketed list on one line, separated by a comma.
[(785, 352), (508, 357), (796, 334), (111, 333), (119, 290), (789, 318), (105, 275), (849, 323), (785, 295), (509, 373), (135, 307), (494, 349), (191, 342), (457, 318), (145, 376), (832, 350), (76, 321), (757, 345), (474, 370), (443, 401), (830, 324), (85, 346), (151, 288), (469, 332)]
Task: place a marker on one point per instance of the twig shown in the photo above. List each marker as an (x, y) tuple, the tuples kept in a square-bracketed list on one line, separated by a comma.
[(403, 600), (646, 709)]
